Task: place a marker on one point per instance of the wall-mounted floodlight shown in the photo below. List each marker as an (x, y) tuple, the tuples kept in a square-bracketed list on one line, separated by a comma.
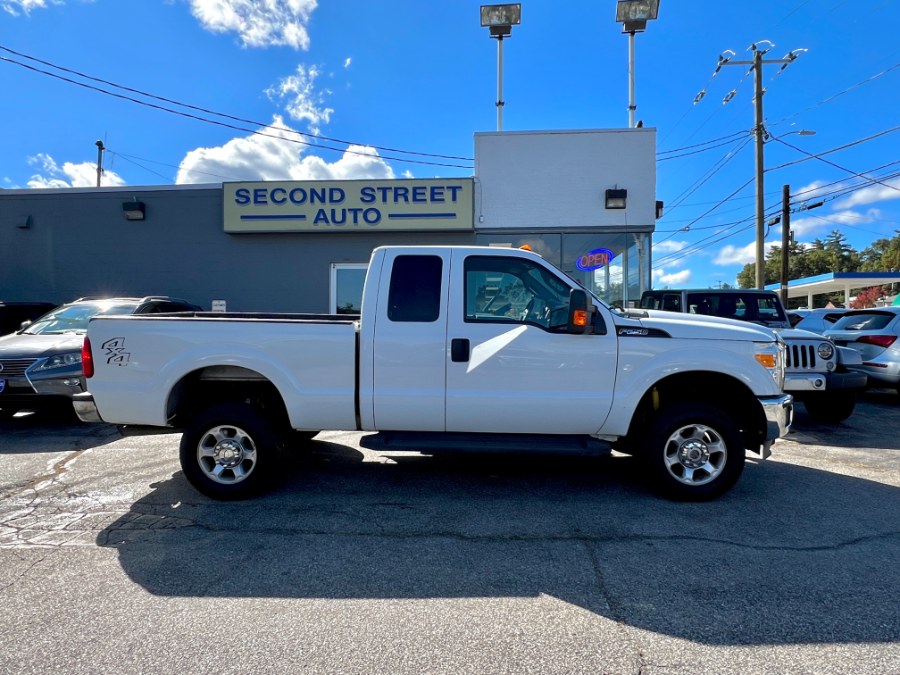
[(634, 15), (617, 198), (500, 19), (133, 210)]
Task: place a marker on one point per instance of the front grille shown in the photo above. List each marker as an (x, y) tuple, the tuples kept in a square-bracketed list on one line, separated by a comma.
[(14, 367), (801, 357)]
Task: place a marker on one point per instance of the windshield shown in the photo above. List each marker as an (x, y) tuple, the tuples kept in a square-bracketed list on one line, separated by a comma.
[(75, 318)]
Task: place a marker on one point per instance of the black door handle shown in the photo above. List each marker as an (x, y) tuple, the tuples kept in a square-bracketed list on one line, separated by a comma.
[(459, 350)]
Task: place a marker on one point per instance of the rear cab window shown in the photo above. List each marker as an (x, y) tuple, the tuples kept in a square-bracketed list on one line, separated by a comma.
[(415, 290)]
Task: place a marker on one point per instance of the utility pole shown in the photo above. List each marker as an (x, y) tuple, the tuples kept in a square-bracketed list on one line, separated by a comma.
[(785, 240), (100, 150), (759, 132)]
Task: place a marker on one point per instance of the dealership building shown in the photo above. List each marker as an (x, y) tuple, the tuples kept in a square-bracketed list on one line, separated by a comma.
[(584, 200)]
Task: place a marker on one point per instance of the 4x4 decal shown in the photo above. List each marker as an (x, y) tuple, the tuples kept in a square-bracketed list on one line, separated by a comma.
[(114, 348)]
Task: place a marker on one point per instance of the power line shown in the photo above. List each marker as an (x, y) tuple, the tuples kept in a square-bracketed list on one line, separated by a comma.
[(837, 166), (773, 209), (225, 124), (219, 114), (697, 145), (840, 93), (712, 171)]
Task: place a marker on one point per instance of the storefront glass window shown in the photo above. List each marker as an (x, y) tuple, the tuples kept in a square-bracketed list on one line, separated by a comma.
[(615, 267)]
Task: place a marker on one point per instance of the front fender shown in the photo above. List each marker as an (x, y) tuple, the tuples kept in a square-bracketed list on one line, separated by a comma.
[(645, 361)]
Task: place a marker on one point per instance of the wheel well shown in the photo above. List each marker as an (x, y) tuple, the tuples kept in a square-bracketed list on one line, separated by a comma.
[(721, 391), (199, 390)]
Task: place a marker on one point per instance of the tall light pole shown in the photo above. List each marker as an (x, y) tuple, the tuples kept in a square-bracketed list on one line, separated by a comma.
[(500, 19), (634, 15), (100, 150)]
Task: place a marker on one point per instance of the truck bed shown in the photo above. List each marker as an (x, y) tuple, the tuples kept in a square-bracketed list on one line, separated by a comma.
[(311, 358)]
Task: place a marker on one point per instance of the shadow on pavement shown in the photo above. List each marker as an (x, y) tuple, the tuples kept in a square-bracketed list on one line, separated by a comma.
[(790, 556), (51, 431)]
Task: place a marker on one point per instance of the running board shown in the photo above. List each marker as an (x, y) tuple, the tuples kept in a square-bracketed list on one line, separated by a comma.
[(431, 442)]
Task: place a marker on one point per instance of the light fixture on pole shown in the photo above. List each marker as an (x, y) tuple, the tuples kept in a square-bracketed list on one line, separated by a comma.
[(500, 19), (634, 15)]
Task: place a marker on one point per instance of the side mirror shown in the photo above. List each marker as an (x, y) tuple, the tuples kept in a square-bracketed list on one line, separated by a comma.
[(579, 311), (25, 324)]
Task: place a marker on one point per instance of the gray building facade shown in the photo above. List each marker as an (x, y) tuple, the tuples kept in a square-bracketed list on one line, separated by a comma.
[(261, 247)]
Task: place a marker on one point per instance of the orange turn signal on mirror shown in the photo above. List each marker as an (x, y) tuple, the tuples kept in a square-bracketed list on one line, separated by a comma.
[(768, 360), (580, 318)]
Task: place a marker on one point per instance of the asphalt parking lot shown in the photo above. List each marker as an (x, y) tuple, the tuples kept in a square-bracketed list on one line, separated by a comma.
[(365, 562)]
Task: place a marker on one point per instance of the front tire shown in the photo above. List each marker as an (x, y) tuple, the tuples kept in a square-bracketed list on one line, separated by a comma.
[(229, 451), (693, 452)]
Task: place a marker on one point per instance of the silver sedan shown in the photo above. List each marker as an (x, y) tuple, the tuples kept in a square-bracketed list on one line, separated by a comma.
[(875, 334)]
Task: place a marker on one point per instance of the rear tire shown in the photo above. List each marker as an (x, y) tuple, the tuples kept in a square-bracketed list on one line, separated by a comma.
[(693, 452), (229, 451)]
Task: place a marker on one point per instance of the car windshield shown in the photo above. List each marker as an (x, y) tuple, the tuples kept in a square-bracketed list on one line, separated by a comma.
[(865, 321), (75, 318)]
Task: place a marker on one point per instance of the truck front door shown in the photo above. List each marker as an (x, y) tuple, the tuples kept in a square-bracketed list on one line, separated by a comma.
[(511, 365)]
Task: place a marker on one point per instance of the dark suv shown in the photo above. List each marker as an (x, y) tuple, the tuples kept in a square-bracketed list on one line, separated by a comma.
[(40, 365)]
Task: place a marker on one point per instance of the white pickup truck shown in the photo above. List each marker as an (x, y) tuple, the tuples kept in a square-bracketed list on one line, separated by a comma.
[(456, 348)]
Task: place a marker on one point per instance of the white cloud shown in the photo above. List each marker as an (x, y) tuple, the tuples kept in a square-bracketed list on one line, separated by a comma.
[(16, 7), (347, 62), (736, 255), (890, 189), (304, 102), (804, 227), (259, 23), (269, 157), (668, 246), (69, 175), (674, 278)]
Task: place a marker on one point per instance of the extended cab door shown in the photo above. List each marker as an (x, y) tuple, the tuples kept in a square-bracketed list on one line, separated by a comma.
[(511, 365), (409, 349)]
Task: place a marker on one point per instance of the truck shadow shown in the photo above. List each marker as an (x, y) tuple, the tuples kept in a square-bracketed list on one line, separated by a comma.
[(872, 423), (790, 556)]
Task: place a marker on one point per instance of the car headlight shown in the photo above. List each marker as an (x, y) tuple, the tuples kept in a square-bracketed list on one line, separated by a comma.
[(826, 350), (771, 356), (58, 361)]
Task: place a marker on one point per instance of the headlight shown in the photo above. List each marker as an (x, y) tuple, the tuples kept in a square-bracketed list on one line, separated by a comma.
[(826, 350), (771, 356), (58, 361)]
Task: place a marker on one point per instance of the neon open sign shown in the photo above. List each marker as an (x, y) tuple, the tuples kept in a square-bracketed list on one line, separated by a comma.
[(597, 258)]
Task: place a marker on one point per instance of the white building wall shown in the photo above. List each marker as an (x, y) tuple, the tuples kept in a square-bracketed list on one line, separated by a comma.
[(558, 179)]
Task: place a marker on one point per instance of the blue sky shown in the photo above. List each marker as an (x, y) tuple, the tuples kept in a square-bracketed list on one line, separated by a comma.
[(371, 83)]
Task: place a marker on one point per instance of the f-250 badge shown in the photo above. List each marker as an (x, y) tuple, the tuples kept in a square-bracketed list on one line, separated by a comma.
[(114, 348)]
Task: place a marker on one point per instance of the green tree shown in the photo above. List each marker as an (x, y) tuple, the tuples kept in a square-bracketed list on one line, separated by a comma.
[(882, 255), (824, 256), (842, 255)]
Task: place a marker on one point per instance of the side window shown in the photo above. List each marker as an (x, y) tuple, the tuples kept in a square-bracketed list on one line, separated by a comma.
[(671, 303), (415, 291), (512, 290)]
